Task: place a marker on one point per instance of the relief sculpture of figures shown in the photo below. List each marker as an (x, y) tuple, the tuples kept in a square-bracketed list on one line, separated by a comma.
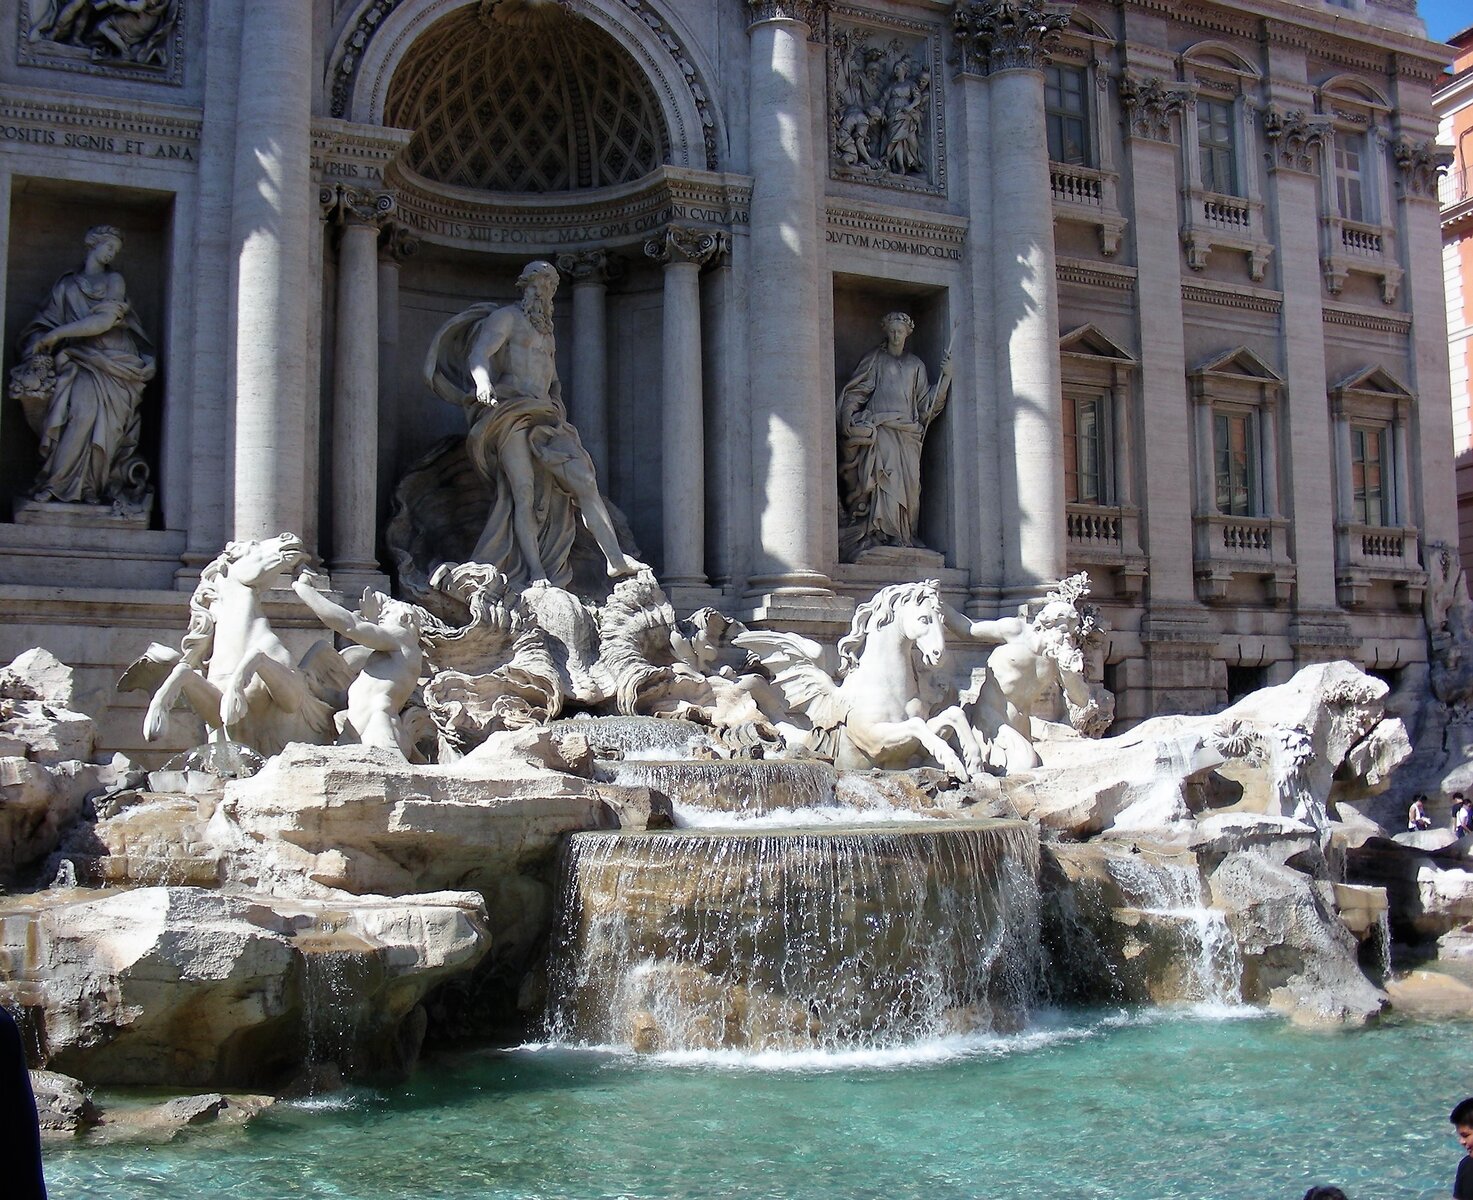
[(122, 31), (497, 363), (878, 96), (80, 383), (884, 411)]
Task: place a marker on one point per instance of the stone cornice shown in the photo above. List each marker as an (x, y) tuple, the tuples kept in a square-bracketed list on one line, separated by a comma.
[(124, 118), (1003, 35), (1252, 299), (1359, 318), (547, 224), (1094, 274)]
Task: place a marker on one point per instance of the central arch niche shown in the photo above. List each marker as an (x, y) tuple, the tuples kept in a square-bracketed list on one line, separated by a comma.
[(532, 100)]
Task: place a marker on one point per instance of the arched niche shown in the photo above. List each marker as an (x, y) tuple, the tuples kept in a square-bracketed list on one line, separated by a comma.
[(377, 37)]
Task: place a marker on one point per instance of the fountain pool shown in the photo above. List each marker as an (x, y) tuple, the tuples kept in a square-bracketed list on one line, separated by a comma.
[(1146, 1105)]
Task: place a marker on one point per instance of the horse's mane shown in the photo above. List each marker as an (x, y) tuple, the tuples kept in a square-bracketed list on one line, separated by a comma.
[(200, 636), (880, 611)]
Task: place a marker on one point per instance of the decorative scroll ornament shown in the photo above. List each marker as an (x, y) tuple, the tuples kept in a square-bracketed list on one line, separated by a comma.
[(997, 35), (1420, 165), (1150, 105), (809, 12), (353, 206), (1296, 136), (680, 243), (397, 241), (590, 266)]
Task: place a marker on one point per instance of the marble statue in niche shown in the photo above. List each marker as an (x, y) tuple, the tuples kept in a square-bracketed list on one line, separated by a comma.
[(80, 383), (120, 32), (879, 97), (884, 411), (497, 363)]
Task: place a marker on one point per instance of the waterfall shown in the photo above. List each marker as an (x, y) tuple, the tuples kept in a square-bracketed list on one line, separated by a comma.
[(807, 939), (1175, 892), (747, 788)]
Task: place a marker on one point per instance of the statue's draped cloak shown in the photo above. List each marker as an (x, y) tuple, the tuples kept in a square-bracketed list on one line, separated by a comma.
[(551, 438), (881, 478), (89, 433)]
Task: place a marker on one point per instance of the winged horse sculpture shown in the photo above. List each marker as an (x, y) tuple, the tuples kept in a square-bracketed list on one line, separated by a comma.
[(874, 716)]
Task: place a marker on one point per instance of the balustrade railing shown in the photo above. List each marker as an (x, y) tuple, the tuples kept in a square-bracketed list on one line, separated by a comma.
[(1094, 527), (1076, 185), (1227, 212), (1361, 239)]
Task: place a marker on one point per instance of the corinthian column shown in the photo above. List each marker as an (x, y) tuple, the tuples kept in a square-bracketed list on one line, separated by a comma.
[(1010, 43), (590, 272), (272, 203), (355, 391), (683, 252), (792, 415)]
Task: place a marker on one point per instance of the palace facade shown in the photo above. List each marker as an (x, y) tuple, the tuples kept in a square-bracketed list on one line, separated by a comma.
[(1182, 262)]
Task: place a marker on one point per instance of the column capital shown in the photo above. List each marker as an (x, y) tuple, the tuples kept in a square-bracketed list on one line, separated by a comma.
[(1001, 35), (347, 206), (1295, 137), (805, 12), (1419, 165), (590, 267), (1150, 105), (397, 241), (683, 244)]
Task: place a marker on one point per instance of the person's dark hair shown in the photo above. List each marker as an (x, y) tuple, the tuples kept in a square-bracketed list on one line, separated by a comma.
[(1322, 1192), (1463, 1113)]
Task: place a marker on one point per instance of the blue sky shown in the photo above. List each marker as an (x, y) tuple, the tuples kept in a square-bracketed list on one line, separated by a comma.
[(1445, 17)]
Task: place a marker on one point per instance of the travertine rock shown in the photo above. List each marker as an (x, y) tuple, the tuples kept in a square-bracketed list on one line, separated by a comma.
[(62, 1103), (38, 675), (1298, 956), (193, 987)]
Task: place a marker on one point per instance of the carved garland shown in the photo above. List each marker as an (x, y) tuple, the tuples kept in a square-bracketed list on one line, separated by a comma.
[(999, 35), (1420, 164), (1150, 105), (1295, 135), (373, 17)]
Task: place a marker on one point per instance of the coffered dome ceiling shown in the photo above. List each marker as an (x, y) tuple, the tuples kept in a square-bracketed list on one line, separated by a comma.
[(549, 103)]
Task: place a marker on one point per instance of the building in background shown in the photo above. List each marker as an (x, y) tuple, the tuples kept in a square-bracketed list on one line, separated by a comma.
[(1453, 104)]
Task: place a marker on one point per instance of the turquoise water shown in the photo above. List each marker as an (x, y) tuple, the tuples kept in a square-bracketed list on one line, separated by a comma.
[(1111, 1106)]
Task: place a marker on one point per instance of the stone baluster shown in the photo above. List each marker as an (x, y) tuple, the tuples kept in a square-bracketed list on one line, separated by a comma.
[(591, 271), (271, 244), (792, 416), (1010, 43), (355, 389), (683, 252)]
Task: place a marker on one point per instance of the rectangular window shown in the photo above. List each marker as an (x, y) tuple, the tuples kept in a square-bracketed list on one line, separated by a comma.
[(1235, 437), (1086, 479), (1350, 178), (1216, 146), (1066, 112), (1367, 474)]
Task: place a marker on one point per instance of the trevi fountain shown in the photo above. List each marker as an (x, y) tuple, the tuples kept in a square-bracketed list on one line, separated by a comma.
[(465, 849)]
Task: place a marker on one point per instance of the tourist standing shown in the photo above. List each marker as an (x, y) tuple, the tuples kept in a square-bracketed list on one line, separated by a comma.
[(1462, 815), (1417, 817), (20, 1131)]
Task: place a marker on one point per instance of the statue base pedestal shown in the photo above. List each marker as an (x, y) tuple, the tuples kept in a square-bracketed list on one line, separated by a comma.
[(917, 560), (59, 515)]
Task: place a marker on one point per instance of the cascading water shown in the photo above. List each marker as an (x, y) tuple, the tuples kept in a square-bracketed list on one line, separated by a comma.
[(1174, 892), (748, 788), (828, 939)]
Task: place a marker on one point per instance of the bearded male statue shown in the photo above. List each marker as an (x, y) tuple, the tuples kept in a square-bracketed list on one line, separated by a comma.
[(497, 363)]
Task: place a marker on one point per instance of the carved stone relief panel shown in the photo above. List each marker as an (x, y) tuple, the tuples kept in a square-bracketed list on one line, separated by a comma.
[(130, 39), (886, 118)]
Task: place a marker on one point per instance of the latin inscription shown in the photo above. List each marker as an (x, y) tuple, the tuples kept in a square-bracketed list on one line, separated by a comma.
[(95, 143), (575, 232), (332, 169), (889, 245)]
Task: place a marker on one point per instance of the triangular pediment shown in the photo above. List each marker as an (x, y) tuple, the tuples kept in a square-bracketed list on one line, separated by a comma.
[(1242, 362), (1093, 342), (1374, 379)]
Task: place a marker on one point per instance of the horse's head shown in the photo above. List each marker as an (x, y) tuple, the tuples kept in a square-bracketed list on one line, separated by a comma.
[(915, 610), (258, 564)]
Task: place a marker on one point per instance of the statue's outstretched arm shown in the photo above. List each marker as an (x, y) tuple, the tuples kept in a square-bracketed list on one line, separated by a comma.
[(491, 336), (340, 620), (1004, 629)]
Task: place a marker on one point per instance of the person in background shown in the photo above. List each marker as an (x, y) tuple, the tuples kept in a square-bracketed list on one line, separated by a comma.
[(1417, 817), (1322, 1192), (1462, 815), (20, 1131)]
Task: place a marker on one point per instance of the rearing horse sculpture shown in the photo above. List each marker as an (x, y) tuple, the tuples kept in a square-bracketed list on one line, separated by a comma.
[(233, 669), (876, 716)]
